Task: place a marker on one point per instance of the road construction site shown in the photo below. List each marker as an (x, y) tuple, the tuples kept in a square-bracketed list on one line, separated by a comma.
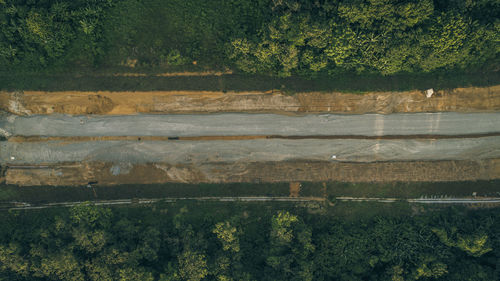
[(43, 146)]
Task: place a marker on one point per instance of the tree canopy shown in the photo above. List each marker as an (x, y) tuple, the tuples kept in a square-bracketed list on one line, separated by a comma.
[(273, 37), (193, 242)]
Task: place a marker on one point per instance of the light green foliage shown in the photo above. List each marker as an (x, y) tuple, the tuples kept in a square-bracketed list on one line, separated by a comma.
[(280, 51), (88, 215), (10, 259), (90, 241), (446, 41), (135, 274), (385, 15), (430, 268), (382, 36), (434, 270), (227, 235), (475, 245), (61, 265), (96, 271), (192, 266), (281, 227), (291, 247), (175, 58), (396, 273)]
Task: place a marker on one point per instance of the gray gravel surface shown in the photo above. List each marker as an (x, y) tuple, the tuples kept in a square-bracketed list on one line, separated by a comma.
[(249, 150), (232, 124)]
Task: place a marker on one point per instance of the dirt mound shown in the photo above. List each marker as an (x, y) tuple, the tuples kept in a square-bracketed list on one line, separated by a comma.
[(83, 104), (294, 189), (28, 103), (37, 102), (461, 99)]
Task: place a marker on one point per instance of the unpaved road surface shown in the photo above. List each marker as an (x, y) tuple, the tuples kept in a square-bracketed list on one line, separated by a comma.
[(220, 151), (233, 124), (74, 150), (405, 126)]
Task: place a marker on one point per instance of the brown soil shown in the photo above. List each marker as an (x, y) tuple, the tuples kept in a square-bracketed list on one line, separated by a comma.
[(37, 102), (294, 189), (82, 173)]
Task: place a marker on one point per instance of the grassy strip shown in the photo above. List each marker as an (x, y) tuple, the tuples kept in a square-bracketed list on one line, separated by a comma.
[(239, 82), (45, 194), (403, 190), (350, 211)]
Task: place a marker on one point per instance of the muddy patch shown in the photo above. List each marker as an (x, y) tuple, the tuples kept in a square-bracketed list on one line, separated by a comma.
[(28, 103)]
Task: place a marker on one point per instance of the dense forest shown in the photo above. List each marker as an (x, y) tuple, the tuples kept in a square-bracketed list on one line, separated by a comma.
[(275, 37), (238, 241)]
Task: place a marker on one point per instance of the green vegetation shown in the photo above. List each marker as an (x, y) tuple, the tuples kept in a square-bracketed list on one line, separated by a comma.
[(282, 38), (381, 36), (53, 194), (92, 81), (403, 189), (251, 241), (40, 34)]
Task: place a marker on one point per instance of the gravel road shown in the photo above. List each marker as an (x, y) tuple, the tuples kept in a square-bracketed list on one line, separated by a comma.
[(252, 124), (177, 152), (255, 150)]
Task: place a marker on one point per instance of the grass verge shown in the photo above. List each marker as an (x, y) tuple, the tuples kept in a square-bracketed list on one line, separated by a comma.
[(238, 82)]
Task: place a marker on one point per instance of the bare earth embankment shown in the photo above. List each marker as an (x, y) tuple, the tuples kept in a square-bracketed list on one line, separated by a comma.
[(121, 103), (260, 172)]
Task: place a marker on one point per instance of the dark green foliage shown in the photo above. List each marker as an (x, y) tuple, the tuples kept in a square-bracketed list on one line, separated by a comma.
[(234, 242), (271, 37)]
